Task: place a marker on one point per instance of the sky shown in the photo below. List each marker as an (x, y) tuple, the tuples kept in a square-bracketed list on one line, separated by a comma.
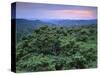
[(53, 11)]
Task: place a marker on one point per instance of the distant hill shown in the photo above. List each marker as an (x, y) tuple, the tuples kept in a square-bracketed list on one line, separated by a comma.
[(23, 23), (72, 22), (25, 27)]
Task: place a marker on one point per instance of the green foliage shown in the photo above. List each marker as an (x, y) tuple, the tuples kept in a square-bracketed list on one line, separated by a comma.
[(57, 48)]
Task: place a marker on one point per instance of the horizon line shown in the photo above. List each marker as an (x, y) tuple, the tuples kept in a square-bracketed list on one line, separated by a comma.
[(53, 19)]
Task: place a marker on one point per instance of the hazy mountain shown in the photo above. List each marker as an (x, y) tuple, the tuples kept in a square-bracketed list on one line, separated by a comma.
[(72, 22), (24, 27)]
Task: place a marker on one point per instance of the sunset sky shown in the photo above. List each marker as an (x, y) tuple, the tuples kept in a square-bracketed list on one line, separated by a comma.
[(51, 11)]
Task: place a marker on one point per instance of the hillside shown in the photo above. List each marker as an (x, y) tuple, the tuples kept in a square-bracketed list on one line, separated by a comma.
[(57, 48), (24, 27)]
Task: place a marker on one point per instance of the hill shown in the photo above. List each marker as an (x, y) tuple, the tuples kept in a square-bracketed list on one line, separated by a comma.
[(24, 26)]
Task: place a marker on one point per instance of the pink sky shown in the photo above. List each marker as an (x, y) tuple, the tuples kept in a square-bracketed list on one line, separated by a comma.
[(53, 11)]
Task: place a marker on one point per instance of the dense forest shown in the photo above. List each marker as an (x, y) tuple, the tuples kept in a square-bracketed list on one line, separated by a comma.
[(50, 48)]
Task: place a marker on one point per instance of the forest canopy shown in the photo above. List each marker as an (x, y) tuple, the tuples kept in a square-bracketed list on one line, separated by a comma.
[(57, 48)]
